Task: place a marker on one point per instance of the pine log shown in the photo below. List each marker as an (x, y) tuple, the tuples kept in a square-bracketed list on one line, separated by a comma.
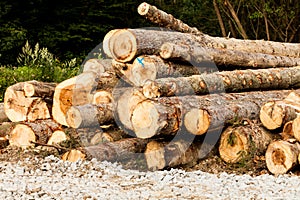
[(125, 105), (97, 66), (89, 115), (282, 156), (256, 46), (165, 115), (198, 54), (274, 114), (3, 117), (39, 131), (18, 107), (229, 81), (160, 155), (39, 89), (110, 151), (243, 142), (151, 67)]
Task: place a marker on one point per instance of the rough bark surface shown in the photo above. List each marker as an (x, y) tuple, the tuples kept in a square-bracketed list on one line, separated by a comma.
[(39, 89), (229, 81), (3, 117), (282, 156), (198, 54), (244, 141), (256, 46)]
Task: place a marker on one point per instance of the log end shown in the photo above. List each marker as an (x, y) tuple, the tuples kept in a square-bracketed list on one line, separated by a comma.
[(73, 156), (22, 136), (28, 89), (197, 121), (271, 115), (143, 69), (151, 89), (166, 50), (102, 97), (296, 128), (57, 137), (106, 42), (154, 155), (93, 65), (143, 9), (73, 117), (281, 156)]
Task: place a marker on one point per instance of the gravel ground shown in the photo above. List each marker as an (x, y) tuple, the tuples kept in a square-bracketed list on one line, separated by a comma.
[(52, 178)]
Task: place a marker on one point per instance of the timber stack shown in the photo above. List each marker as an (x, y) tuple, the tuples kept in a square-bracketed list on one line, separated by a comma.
[(160, 93)]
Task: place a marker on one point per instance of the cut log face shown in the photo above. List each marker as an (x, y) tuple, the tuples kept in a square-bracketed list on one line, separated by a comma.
[(39, 89), (39, 110), (240, 142), (22, 136), (281, 156), (57, 137), (106, 42), (73, 156), (97, 66), (102, 97), (296, 128)]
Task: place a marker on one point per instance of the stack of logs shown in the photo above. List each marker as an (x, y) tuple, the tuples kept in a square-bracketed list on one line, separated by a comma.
[(166, 92)]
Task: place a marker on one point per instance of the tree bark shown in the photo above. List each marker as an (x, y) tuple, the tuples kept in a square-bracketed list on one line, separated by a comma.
[(3, 117), (102, 97), (18, 107), (151, 67), (281, 156), (110, 151), (160, 155), (39, 89), (229, 81), (89, 115), (197, 54), (165, 115), (243, 142), (255, 46)]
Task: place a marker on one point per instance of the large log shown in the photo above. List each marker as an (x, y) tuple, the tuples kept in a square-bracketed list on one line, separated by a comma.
[(160, 155), (151, 67), (28, 101), (256, 46), (198, 54), (165, 115), (282, 156), (229, 81), (110, 151), (275, 114), (243, 142), (89, 115)]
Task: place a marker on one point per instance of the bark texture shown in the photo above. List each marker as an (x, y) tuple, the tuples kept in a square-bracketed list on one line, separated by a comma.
[(243, 142), (255, 46), (282, 156), (198, 54), (39, 89), (3, 117), (229, 81)]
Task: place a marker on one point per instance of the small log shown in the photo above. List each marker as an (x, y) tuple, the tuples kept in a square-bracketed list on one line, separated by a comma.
[(19, 107), (291, 130), (57, 137), (282, 156), (110, 151), (256, 46), (73, 156), (3, 117), (125, 105), (274, 114), (244, 141), (89, 115), (199, 54), (6, 128), (229, 81), (165, 115), (102, 97), (97, 66), (296, 128), (106, 42), (151, 67), (39, 131), (160, 155)]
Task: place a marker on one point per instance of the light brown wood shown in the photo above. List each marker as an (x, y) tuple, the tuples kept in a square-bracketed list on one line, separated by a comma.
[(73, 156), (21, 136), (281, 156), (102, 97), (106, 42), (3, 117), (57, 137), (97, 66), (39, 89), (243, 142)]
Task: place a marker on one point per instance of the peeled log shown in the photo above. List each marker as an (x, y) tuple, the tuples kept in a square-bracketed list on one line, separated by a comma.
[(89, 115), (229, 81), (151, 67), (256, 46), (244, 141), (197, 54), (110, 151), (282, 156)]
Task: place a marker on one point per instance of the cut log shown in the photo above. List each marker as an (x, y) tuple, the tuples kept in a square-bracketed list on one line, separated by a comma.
[(110, 151), (165, 115), (243, 142), (287, 131), (153, 67), (229, 81), (89, 115), (106, 42), (281, 156), (125, 105), (274, 114), (3, 117), (73, 156), (198, 54), (256, 46), (160, 155), (102, 97), (39, 131), (296, 128), (18, 107), (39, 89), (97, 66), (57, 137)]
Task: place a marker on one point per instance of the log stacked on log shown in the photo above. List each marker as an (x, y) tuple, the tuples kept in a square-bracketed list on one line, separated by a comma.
[(159, 89)]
